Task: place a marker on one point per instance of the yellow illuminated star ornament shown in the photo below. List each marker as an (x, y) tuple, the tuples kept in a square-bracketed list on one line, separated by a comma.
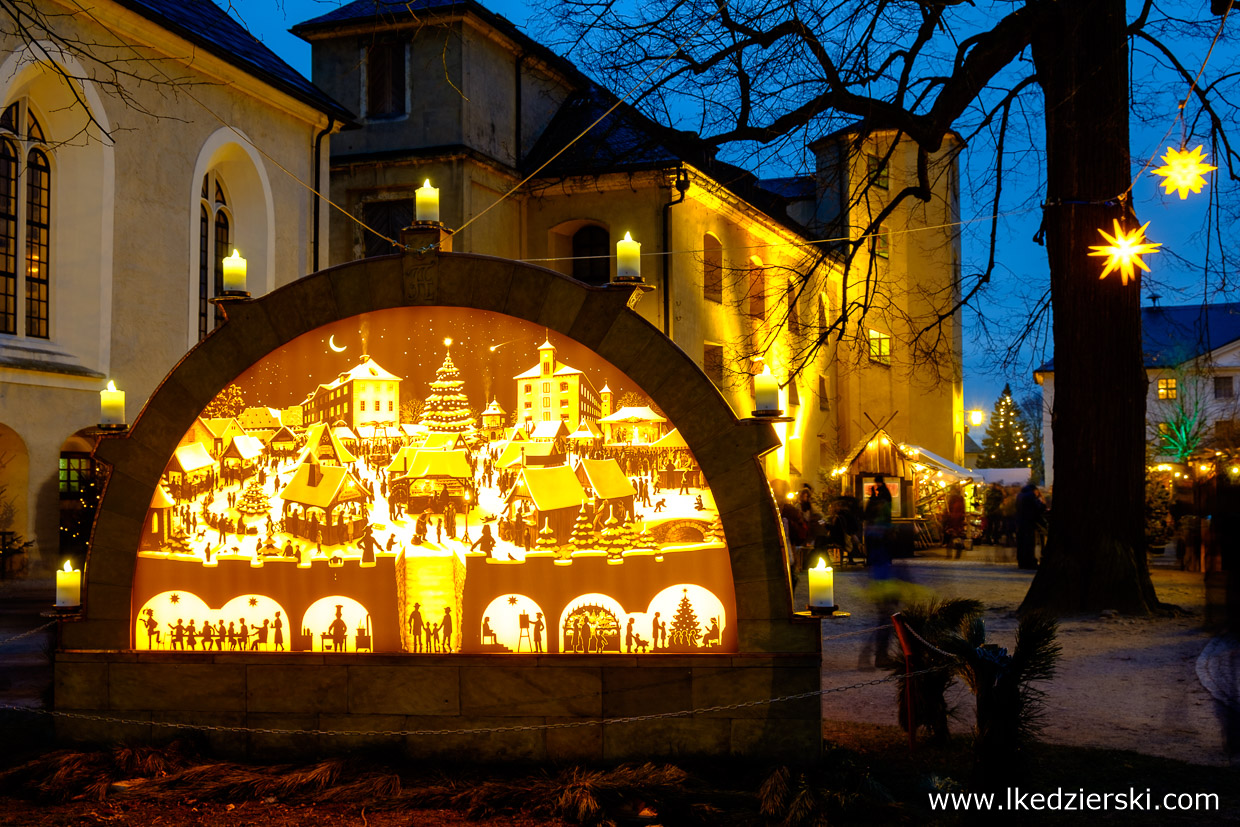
[(1124, 251), (1184, 171)]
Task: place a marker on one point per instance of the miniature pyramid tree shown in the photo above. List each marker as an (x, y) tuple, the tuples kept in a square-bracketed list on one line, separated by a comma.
[(253, 500), (447, 408), (546, 538), (685, 632), (612, 540), (1007, 436), (714, 531), (582, 537)]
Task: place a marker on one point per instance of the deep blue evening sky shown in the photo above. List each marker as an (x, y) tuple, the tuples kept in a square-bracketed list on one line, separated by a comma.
[(1022, 269)]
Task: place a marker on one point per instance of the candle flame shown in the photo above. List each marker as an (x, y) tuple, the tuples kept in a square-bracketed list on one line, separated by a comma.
[(627, 236), (111, 387), (427, 183), (68, 567), (822, 565)]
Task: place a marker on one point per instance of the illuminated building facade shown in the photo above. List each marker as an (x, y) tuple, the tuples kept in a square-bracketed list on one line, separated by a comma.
[(552, 391), (366, 394)]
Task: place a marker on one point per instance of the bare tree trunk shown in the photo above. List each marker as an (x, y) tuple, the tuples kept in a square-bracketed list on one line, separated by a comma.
[(1095, 556)]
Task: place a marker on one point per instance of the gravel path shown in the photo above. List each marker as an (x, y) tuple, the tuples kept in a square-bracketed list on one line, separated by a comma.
[(1123, 683)]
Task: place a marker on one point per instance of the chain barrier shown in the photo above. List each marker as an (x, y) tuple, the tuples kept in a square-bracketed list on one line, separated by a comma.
[(347, 733), (856, 632), (928, 644), (34, 631)]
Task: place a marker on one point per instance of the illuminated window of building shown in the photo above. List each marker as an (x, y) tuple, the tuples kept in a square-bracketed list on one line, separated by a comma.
[(546, 401), (1224, 388), (391, 406), (385, 79), (75, 471), (528, 405), (880, 243), (712, 269), (546, 387), (877, 171), (546, 416), (1167, 389), (214, 235), (361, 406), (757, 306), (528, 387), (592, 255), (880, 347), (25, 223), (824, 396), (563, 386)]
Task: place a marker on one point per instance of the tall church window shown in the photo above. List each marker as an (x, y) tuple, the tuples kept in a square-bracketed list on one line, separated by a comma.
[(385, 79), (712, 269), (25, 224), (214, 237)]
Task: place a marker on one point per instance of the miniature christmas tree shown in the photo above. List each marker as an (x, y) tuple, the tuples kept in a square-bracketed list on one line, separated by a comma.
[(546, 538), (685, 633), (714, 532), (253, 500), (582, 537), (612, 541), (447, 408), (1007, 436)]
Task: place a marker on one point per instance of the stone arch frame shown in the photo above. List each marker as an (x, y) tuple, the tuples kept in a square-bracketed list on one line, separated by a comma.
[(727, 449)]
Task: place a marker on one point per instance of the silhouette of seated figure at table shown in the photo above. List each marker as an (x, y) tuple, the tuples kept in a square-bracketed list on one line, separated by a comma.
[(488, 634), (338, 631)]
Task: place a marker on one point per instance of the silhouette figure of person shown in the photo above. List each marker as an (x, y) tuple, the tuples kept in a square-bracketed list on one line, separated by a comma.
[(221, 634), (207, 633), (486, 540), (338, 631), (243, 635), (538, 630), (191, 635), (260, 637), (178, 636), (232, 636), (487, 631), (712, 634), (415, 627), (445, 628), (152, 629), (654, 631), (628, 636), (278, 627)]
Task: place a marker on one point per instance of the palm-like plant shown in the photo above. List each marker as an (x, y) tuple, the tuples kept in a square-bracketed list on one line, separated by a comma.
[(932, 621)]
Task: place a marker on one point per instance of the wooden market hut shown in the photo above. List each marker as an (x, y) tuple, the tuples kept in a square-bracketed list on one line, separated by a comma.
[(529, 453), (422, 473), (585, 437), (283, 442), (671, 439), (879, 454), (610, 487), (158, 526), (259, 419), (438, 441), (550, 496), (189, 471), (214, 433), (324, 502), (240, 459)]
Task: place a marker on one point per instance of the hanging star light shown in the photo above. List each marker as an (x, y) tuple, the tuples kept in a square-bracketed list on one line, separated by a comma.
[(1184, 171), (1124, 251)]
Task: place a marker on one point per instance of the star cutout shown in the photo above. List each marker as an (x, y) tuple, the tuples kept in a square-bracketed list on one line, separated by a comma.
[(175, 598), (1124, 251), (253, 601), (512, 601), (1184, 171)]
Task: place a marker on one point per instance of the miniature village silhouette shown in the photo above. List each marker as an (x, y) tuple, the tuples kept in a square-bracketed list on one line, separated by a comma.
[(335, 513)]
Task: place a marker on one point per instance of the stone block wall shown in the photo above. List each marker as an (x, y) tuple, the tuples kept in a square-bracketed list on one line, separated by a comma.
[(461, 699)]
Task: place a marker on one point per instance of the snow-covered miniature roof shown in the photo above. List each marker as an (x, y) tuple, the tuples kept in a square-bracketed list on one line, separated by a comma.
[(551, 488), (671, 439), (549, 430), (440, 441), (439, 465), (192, 457), (334, 485), (631, 414), (606, 478), (320, 434), (218, 426), (493, 409), (515, 453), (586, 430), (259, 419), (160, 499), (244, 447)]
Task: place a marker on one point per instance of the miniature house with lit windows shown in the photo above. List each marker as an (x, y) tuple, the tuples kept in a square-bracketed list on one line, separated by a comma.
[(481, 574)]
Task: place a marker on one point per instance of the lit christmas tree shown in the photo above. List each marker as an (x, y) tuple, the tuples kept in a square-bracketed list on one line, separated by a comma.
[(447, 408), (1007, 436), (253, 500), (613, 540), (685, 631)]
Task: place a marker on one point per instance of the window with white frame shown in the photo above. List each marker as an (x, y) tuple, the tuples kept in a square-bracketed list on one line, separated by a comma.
[(880, 347), (1224, 387), (1167, 389), (25, 224)]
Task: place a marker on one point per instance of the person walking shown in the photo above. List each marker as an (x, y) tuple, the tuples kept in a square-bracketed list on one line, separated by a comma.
[(1029, 512)]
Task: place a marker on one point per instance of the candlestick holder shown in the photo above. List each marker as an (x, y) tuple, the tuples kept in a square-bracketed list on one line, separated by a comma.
[(769, 416), (112, 427), (229, 296)]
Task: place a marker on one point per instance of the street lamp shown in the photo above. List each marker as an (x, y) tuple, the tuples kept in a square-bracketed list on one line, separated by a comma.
[(468, 498), (975, 418)]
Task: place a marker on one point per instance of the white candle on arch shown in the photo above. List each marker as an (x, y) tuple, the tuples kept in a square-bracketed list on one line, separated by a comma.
[(628, 258), (426, 202)]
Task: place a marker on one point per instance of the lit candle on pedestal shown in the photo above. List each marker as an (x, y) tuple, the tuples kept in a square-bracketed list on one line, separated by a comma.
[(766, 393), (68, 587), (234, 273), (426, 202), (111, 405), (821, 586), (628, 258)]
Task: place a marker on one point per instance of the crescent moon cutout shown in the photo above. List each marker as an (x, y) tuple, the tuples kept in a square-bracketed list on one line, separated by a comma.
[(331, 342)]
